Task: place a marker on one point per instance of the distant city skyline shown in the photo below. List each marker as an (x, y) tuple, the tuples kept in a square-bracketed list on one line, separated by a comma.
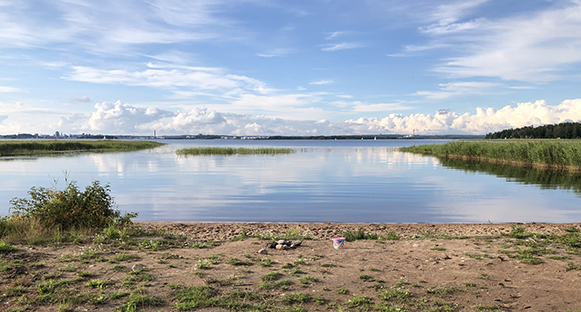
[(266, 67)]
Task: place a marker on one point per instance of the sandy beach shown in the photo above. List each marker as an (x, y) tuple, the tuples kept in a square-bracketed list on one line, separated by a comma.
[(430, 267)]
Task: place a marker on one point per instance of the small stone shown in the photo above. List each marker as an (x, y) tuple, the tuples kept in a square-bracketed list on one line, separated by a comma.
[(137, 267), (292, 246), (271, 245), (416, 245), (298, 243), (263, 251), (281, 242), (92, 266), (281, 247)]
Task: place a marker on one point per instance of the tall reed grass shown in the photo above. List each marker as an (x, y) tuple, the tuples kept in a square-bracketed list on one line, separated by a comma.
[(552, 153), (226, 151), (26, 148)]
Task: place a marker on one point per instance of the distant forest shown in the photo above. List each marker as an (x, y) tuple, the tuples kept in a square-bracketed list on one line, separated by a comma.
[(566, 130)]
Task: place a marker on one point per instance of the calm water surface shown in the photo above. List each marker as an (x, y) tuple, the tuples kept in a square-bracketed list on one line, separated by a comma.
[(325, 181)]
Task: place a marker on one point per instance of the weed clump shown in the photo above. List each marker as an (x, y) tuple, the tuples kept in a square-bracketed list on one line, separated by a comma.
[(52, 214), (70, 208)]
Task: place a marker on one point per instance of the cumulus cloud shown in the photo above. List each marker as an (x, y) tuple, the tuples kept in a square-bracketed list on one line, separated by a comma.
[(123, 118), (483, 121)]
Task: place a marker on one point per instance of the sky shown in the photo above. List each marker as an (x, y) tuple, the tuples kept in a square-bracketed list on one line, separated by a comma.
[(304, 67)]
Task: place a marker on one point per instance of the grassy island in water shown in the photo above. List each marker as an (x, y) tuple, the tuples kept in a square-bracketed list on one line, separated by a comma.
[(226, 151), (560, 154), (29, 148)]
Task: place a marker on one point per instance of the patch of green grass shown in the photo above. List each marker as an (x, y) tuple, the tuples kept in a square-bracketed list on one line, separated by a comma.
[(297, 272), (238, 262), (287, 266), (438, 248), (126, 258), (528, 256), (154, 244), (284, 284), (477, 257), (27, 148), (219, 282), (136, 301), (392, 235), (8, 265), (300, 261), (359, 234), (119, 268), (294, 298), (117, 295), (442, 291), (401, 283), (328, 265), (7, 248), (84, 274), (572, 266), (271, 276), (307, 279), (364, 277), (266, 262), (395, 294), (358, 301)]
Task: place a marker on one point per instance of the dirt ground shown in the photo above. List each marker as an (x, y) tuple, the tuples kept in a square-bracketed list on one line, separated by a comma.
[(431, 267)]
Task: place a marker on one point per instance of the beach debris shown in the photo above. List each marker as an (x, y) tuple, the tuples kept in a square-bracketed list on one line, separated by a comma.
[(263, 251), (338, 242), (283, 244)]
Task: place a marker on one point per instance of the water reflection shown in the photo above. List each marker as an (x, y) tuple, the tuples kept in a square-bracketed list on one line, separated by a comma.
[(363, 181), (545, 179)]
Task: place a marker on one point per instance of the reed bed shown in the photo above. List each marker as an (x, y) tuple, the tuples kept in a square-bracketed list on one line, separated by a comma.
[(29, 148), (565, 154), (227, 151)]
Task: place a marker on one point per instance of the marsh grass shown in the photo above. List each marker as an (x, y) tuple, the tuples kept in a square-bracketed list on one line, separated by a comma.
[(565, 154), (32, 148), (229, 151)]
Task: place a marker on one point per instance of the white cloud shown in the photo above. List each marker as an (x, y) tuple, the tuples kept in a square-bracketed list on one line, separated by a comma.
[(119, 117), (336, 34), (451, 89), (321, 82), (278, 52), (536, 47), (9, 90), (196, 78), (122, 118), (484, 121), (84, 99), (342, 46)]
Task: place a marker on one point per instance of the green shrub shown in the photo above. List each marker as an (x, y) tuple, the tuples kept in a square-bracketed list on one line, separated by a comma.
[(70, 208)]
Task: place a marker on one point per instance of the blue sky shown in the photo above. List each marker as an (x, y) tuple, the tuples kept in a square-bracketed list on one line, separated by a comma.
[(261, 67)]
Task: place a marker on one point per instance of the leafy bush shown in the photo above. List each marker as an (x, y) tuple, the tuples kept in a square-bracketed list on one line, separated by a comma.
[(70, 208)]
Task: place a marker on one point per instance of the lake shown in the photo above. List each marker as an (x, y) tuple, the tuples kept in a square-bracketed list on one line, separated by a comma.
[(324, 181)]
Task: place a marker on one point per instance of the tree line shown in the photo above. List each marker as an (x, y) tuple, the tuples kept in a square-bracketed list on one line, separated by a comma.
[(565, 130)]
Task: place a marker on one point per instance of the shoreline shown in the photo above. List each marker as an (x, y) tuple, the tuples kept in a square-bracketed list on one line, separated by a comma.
[(225, 231)]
